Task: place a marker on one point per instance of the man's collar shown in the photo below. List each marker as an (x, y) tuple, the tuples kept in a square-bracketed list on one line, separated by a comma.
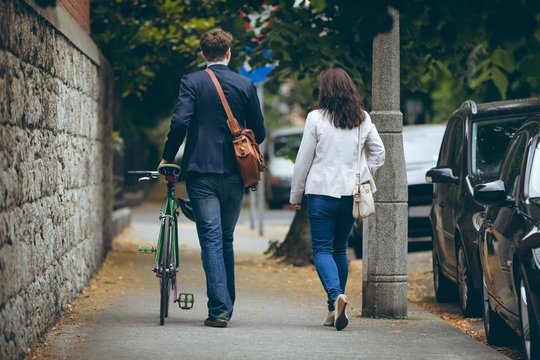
[(216, 63)]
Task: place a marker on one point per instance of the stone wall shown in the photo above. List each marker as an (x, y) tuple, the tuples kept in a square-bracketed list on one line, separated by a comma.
[(55, 173)]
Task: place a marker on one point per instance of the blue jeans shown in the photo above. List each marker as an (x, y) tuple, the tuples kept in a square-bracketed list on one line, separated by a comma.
[(217, 200), (330, 221)]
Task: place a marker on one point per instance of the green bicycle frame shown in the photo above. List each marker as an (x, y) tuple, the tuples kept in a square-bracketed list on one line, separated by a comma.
[(169, 209)]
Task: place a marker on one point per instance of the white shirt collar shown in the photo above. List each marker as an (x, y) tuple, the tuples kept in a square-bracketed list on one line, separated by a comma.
[(216, 63)]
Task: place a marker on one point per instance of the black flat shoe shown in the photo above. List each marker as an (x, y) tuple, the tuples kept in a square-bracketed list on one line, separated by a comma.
[(219, 323), (342, 320)]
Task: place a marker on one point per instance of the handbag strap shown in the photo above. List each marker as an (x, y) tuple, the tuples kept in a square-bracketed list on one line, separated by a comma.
[(231, 120), (359, 155)]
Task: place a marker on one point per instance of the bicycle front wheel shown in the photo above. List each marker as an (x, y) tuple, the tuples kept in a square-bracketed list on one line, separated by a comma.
[(165, 272)]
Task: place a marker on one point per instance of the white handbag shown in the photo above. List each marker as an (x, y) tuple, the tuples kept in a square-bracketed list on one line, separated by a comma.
[(363, 204)]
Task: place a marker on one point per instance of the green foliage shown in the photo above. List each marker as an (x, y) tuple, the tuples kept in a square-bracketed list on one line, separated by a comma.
[(450, 51), (150, 45), (287, 102), (140, 37), (487, 48), (118, 142)]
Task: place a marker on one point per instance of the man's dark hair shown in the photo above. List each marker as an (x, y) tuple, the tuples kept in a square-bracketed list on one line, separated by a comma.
[(215, 43)]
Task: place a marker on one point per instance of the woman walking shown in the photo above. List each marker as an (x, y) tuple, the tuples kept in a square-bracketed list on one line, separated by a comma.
[(325, 171)]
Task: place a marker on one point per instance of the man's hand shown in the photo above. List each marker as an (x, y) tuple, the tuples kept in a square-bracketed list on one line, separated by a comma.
[(296, 206), (163, 161)]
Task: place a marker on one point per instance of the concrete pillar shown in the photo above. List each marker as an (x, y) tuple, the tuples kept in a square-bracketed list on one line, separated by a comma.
[(384, 292)]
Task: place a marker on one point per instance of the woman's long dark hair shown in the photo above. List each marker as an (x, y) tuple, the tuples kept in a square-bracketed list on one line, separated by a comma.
[(339, 99)]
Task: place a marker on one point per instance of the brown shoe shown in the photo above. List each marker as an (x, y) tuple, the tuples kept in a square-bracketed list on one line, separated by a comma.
[(342, 320), (219, 323)]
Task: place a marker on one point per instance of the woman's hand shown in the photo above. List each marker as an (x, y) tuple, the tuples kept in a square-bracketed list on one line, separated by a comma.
[(296, 206)]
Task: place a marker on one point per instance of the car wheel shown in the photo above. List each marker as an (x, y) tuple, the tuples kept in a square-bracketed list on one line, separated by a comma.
[(444, 288), (529, 327), (468, 299), (494, 326)]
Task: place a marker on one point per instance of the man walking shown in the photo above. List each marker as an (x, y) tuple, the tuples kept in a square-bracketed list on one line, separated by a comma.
[(213, 181)]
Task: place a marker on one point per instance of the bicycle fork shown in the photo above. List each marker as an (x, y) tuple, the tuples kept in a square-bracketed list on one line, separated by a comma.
[(185, 300)]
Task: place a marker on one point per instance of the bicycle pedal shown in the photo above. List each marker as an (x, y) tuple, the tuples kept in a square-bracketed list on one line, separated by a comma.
[(185, 301), (146, 249)]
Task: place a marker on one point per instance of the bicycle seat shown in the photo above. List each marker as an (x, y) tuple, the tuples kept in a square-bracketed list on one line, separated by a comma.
[(169, 169)]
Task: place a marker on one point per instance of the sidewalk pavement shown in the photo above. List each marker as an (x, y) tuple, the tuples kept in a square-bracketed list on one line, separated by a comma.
[(278, 314)]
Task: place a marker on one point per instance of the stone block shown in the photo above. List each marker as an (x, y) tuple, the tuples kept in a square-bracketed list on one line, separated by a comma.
[(385, 262), (391, 178), (15, 265), (387, 121), (384, 300), (10, 188), (14, 342), (387, 240), (34, 87), (44, 37), (49, 101), (16, 95), (4, 109), (6, 19), (60, 64)]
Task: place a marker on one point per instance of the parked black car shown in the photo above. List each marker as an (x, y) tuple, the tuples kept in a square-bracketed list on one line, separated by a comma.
[(509, 242), (471, 153)]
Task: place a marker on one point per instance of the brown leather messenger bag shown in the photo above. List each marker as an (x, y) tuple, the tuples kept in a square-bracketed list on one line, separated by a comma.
[(248, 156)]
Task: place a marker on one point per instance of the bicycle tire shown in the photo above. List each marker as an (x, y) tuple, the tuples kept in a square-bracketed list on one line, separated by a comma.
[(165, 263)]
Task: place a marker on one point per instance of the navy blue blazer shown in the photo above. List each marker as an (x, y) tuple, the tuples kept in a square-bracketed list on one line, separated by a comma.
[(200, 114)]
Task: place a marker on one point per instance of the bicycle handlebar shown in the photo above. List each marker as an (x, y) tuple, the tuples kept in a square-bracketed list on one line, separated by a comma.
[(147, 174)]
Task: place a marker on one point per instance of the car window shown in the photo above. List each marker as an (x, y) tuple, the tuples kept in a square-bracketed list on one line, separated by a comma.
[(511, 170), (488, 143), (446, 146), (534, 182), (287, 145), (454, 160)]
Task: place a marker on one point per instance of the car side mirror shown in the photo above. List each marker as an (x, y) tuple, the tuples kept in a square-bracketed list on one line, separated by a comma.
[(442, 175), (492, 193)]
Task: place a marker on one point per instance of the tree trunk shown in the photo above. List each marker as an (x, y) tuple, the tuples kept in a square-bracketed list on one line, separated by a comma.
[(296, 248)]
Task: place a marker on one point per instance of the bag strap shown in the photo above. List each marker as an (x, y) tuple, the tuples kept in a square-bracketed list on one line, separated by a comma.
[(231, 120), (359, 156)]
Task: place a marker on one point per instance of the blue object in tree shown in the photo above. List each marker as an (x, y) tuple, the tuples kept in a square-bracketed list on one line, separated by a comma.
[(258, 75)]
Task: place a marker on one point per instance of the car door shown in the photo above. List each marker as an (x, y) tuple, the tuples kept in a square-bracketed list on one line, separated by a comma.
[(503, 223), (448, 197), (439, 199)]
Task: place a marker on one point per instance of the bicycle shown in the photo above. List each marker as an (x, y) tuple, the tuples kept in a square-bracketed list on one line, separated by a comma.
[(166, 254)]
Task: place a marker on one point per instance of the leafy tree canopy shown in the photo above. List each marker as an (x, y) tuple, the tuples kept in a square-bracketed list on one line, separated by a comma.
[(150, 44), (487, 49)]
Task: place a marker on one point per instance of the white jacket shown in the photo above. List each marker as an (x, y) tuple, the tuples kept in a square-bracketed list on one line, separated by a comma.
[(326, 160)]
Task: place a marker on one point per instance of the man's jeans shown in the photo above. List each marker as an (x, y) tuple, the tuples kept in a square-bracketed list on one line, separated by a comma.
[(216, 201), (330, 221)]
